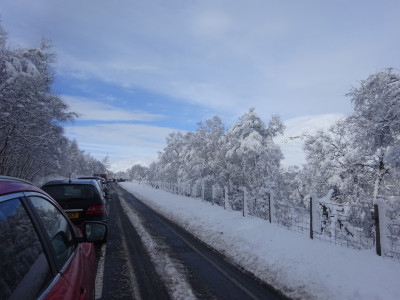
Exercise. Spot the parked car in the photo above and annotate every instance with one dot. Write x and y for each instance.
(43, 254)
(82, 200)
(101, 181)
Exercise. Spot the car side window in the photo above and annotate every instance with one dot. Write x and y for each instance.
(24, 269)
(57, 228)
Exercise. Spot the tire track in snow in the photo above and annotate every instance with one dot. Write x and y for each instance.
(133, 280)
(167, 268)
(100, 274)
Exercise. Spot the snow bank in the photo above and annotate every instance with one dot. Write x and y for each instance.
(299, 267)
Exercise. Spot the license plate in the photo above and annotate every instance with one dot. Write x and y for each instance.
(73, 215)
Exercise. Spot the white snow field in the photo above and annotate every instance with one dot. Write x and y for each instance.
(291, 262)
(296, 131)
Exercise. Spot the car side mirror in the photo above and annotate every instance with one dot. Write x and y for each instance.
(94, 232)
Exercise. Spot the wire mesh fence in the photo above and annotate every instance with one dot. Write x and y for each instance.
(291, 217)
(393, 246)
(333, 223)
(340, 228)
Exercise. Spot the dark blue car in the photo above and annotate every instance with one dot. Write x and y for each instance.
(82, 200)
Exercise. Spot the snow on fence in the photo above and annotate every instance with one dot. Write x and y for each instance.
(319, 218)
(339, 227)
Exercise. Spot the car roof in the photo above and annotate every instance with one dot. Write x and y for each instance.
(9, 185)
(64, 182)
(90, 182)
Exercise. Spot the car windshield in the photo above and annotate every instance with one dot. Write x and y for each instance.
(70, 191)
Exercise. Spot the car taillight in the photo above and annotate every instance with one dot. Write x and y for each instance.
(95, 209)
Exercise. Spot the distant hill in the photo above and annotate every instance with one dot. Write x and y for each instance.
(297, 129)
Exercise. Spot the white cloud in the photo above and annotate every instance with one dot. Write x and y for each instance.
(120, 141)
(225, 55)
(211, 24)
(95, 110)
(291, 59)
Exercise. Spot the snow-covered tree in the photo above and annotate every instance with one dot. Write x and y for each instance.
(170, 159)
(29, 113)
(137, 172)
(32, 143)
(106, 161)
(190, 157)
(356, 161)
(356, 155)
(375, 123)
(152, 173)
(205, 147)
(331, 163)
(252, 158)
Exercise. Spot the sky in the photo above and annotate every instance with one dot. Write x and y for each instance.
(136, 71)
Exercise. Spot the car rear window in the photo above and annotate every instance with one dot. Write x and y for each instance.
(70, 191)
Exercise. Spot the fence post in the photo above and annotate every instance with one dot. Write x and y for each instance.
(202, 191)
(245, 208)
(311, 220)
(269, 208)
(377, 230)
(244, 202)
(225, 196)
(212, 194)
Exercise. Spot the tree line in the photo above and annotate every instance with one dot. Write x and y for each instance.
(32, 141)
(353, 163)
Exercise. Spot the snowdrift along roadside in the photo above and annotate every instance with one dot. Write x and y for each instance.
(299, 267)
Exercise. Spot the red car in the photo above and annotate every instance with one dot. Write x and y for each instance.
(42, 254)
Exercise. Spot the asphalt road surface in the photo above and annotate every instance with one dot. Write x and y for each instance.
(149, 257)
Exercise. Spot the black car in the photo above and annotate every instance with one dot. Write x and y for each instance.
(82, 200)
(101, 181)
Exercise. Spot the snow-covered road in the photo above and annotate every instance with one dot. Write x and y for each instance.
(187, 268)
(299, 267)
